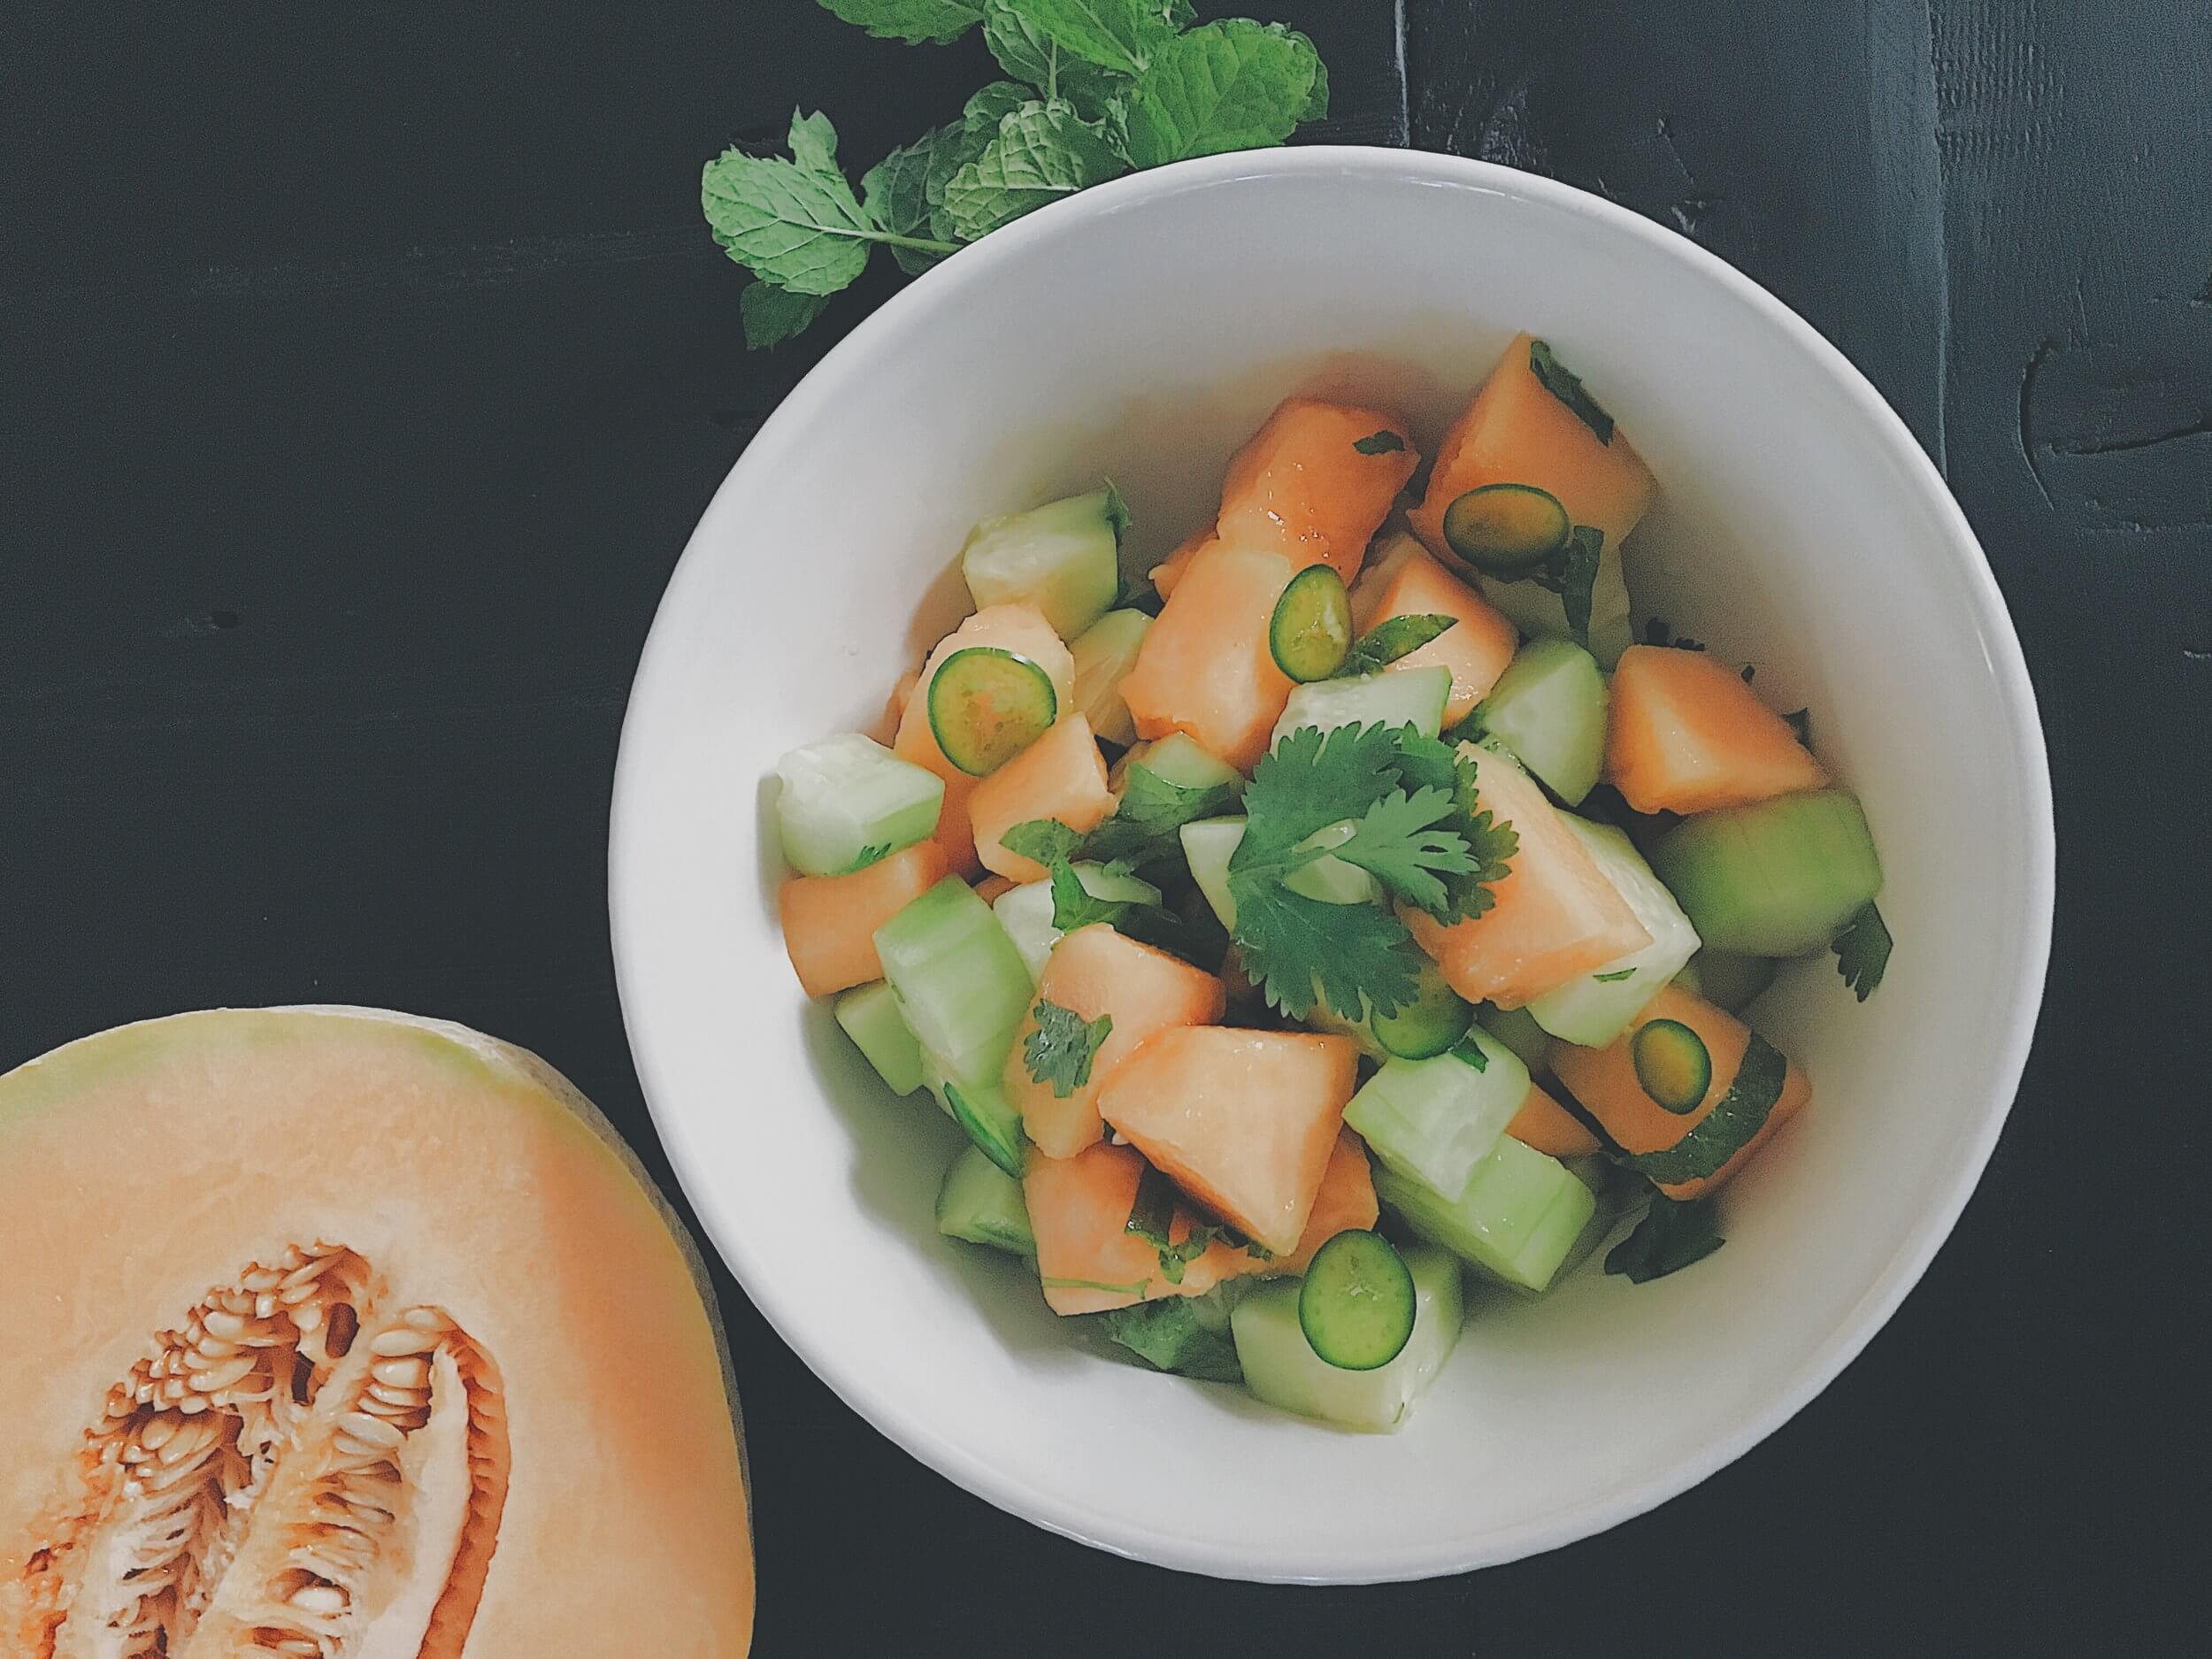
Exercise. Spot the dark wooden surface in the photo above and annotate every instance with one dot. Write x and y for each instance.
(362, 370)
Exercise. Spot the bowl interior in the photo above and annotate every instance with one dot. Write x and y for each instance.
(1142, 332)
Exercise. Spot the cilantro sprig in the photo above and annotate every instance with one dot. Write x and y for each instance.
(1410, 801)
(1862, 951)
(1060, 1051)
(1673, 1233)
(1093, 89)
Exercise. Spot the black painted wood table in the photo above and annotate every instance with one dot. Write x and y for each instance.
(362, 370)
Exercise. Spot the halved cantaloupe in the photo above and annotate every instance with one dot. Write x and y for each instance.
(1095, 973)
(1304, 488)
(1170, 570)
(1087, 1260)
(1021, 629)
(1402, 580)
(334, 1332)
(1554, 916)
(1061, 775)
(1544, 1125)
(1605, 1081)
(1204, 668)
(1686, 734)
(1243, 1121)
(830, 922)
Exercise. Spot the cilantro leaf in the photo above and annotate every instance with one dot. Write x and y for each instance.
(1152, 1219)
(1568, 389)
(1671, 1235)
(1428, 762)
(1572, 573)
(1121, 35)
(1061, 1049)
(874, 853)
(772, 315)
(897, 192)
(1231, 85)
(1392, 638)
(1383, 442)
(1042, 153)
(1397, 841)
(914, 21)
(1311, 780)
(1145, 826)
(1862, 951)
(1170, 1336)
(1075, 905)
(1046, 840)
(1302, 950)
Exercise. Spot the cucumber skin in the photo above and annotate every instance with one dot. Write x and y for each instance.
(1074, 585)
(1281, 1369)
(1515, 1220)
(1436, 1121)
(1183, 761)
(980, 1203)
(961, 983)
(1549, 707)
(820, 783)
(1777, 878)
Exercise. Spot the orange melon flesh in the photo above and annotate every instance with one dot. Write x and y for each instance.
(1243, 1121)
(1021, 629)
(1554, 916)
(1301, 487)
(1061, 775)
(1170, 571)
(1516, 433)
(989, 888)
(1543, 1124)
(579, 1470)
(1605, 1081)
(1095, 973)
(1087, 1260)
(1685, 734)
(830, 922)
(1204, 667)
(1346, 1203)
(1405, 581)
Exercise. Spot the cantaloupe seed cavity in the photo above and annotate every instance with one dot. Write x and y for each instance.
(294, 1472)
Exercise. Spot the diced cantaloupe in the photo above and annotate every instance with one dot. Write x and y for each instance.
(1402, 580)
(1021, 629)
(1554, 916)
(1688, 734)
(989, 888)
(1170, 570)
(886, 729)
(1243, 1121)
(1095, 973)
(1204, 668)
(1516, 432)
(1304, 486)
(1088, 1259)
(1605, 1081)
(1061, 775)
(1544, 1125)
(829, 922)
(1345, 1203)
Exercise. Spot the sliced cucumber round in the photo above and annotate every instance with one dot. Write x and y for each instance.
(1672, 1064)
(1507, 530)
(986, 706)
(1311, 633)
(1437, 1017)
(1356, 1302)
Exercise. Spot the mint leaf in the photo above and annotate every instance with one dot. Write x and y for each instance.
(1146, 826)
(1572, 573)
(1061, 1049)
(1316, 101)
(1234, 85)
(1027, 51)
(1671, 1235)
(1862, 951)
(798, 227)
(1042, 153)
(1123, 36)
(1383, 442)
(1389, 640)
(914, 21)
(897, 192)
(1047, 841)
(772, 315)
(813, 142)
(1171, 1335)
(978, 125)
(1568, 389)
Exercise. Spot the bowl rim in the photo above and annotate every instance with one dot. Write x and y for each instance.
(880, 1406)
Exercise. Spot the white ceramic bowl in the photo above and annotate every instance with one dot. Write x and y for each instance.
(1142, 330)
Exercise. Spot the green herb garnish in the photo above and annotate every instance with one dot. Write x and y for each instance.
(1801, 721)
(1152, 1219)
(1672, 1234)
(1862, 951)
(1383, 442)
(1392, 638)
(1572, 573)
(1615, 977)
(1061, 1049)
(1655, 633)
(1568, 389)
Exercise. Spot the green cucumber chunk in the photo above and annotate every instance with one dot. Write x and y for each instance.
(1516, 1219)
(1436, 1120)
(1025, 912)
(1310, 634)
(983, 1204)
(870, 1015)
(1776, 878)
(991, 1122)
(1436, 1018)
(1549, 709)
(1356, 1303)
(1104, 653)
(1392, 696)
(847, 801)
(1064, 557)
(1540, 613)
(1507, 530)
(1728, 980)
(1329, 880)
(1595, 1008)
(1281, 1368)
(1518, 1030)
(1187, 1335)
(1185, 763)
(962, 985)
(987, 704)
(1672, 1063)
(1208, 845)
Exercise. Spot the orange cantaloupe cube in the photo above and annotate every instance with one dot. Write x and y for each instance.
(1170, 570)
(1204, 667)
(1243, 1121)
(1095, 973)
(1402, 580)
(830, 922)
(1302, 487)
(1087, 1260)
(1543, 1124)
(1062, 775)
(1685, 734)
